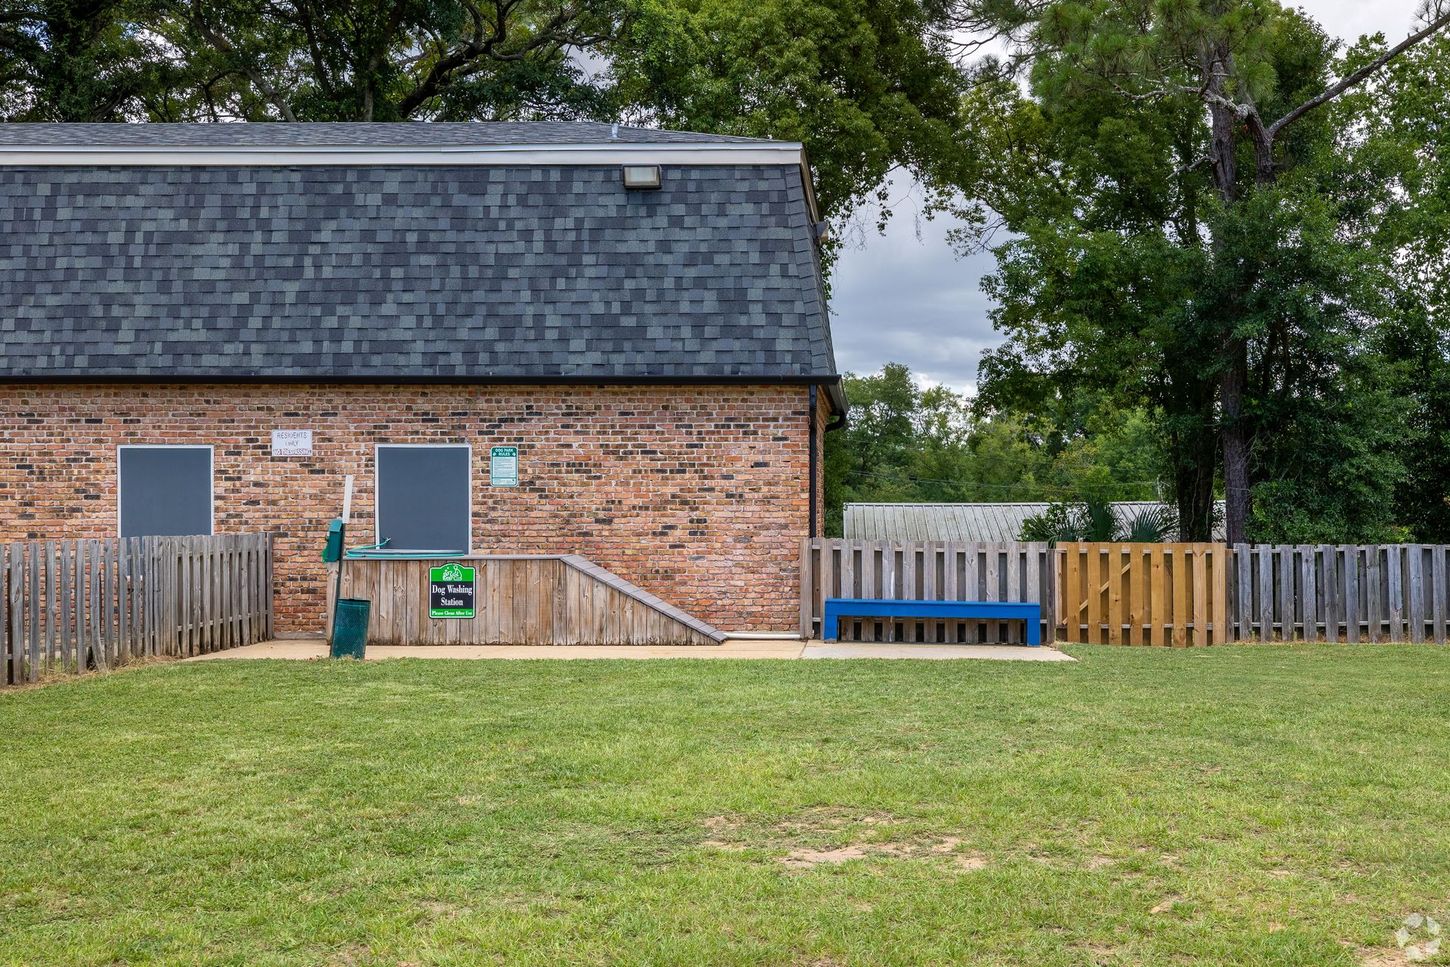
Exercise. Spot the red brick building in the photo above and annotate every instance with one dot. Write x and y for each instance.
(553, 338)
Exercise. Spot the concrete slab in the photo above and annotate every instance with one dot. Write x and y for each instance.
(853, 649)
(302, 649)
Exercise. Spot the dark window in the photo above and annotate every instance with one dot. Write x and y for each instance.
(165, 490)
(423, 498)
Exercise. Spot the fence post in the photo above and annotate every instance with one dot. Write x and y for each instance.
(5, 639)
(807, 629)
(270, 586)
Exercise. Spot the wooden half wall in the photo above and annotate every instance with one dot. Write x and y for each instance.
(520, 600)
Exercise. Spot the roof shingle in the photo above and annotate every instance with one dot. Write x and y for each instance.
(468, 272)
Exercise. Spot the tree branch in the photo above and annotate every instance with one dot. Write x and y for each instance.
(198, 19)
(1355, 78)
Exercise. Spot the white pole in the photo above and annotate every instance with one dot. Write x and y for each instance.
(347, 500)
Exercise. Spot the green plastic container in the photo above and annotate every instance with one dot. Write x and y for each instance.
(350, 628)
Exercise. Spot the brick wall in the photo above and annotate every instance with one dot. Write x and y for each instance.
(698, 494)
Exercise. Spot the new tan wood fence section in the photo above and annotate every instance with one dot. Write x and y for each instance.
(66, 606)
(927, 571)
(1144, 594)
(1344, 592)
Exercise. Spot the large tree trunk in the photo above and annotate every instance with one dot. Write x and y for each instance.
(1234, 383)
(1234, 428)
(1233, 379)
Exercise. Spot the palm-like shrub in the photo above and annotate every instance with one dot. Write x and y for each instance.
(1094, 520)
(1151, 525)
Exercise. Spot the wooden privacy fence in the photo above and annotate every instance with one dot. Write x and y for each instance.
(1144, 594)
(925, 570)
(1340, 592)
(66, 606)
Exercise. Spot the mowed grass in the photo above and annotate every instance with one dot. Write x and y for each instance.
(1246, 805)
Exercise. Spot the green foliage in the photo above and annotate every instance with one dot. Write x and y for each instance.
(907, 443)
(1406, 146)
(80, 60)
(1058, 523)
(1090, 520)
(1134, 270)
(866, 85)
(1151, 525)
(1094, 520)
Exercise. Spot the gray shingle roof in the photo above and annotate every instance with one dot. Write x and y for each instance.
(992, 523)
(400, 272)
(346, 134)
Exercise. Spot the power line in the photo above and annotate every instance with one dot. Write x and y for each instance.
(1059, 490)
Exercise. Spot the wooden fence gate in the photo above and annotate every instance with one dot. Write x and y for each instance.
(66, 606)
(925, 571)
(1144, 594)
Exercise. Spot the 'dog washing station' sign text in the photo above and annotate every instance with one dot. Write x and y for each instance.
(451, 591)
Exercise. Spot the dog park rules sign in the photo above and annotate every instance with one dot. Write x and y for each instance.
(450, 591)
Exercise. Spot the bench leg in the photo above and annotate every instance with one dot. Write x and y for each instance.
(1034, 631)
(830, 624)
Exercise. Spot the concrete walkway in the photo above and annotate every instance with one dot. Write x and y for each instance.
(308, 648)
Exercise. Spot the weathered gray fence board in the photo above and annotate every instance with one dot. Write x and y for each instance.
(1332, 606)
(1437, 587)
(6, 659)
(66, 606)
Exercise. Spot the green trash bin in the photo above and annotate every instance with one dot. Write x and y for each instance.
(350, 628)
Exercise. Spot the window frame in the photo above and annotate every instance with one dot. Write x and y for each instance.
(378, 482)
(210, 479)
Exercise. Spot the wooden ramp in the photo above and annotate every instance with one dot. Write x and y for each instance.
(522, 599)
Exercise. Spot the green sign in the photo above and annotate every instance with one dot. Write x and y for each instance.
(503, 466)
(451, 591)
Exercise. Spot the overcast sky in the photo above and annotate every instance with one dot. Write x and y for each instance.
(905, 297)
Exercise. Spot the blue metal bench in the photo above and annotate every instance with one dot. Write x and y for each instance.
(838, 608)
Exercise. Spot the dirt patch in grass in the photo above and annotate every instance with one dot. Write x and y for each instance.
(807, 858)
(946, 848)
(1384, 958)
(800, 837)
(1096, 953)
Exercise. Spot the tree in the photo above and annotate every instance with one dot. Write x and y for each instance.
(908, 443)
(1408, 146)
(869, 86)
(1182, 236)
(78, 60)
(388, 60)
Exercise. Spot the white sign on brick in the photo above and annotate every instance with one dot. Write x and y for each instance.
(291, 443)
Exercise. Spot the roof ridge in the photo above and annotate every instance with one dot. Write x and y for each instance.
(354, 134)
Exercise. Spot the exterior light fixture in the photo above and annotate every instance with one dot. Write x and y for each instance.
(642, 177)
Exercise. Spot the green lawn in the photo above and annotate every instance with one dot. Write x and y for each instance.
(1256, 805)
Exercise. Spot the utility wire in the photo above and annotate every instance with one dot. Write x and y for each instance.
(1012, 488)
